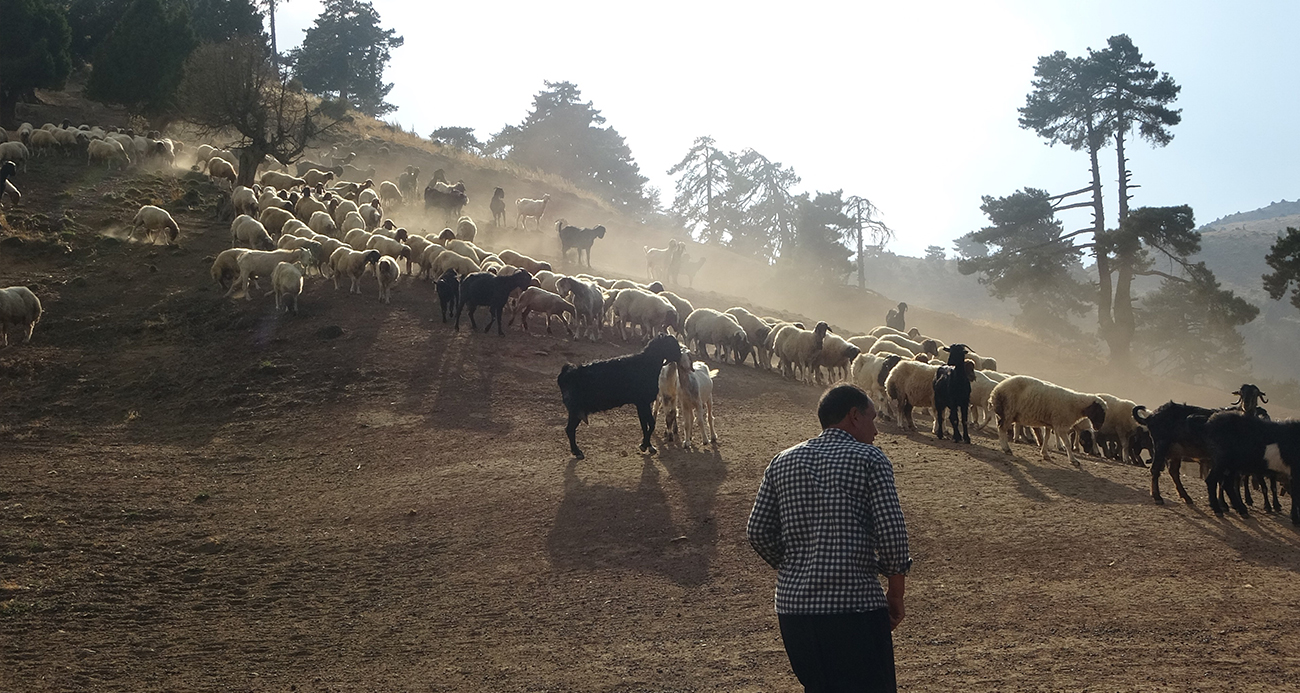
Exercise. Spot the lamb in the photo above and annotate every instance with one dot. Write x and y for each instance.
(483, 288)
(655, 315)
(910, 384)
(390, 194)
(20, 307)
(511, 257)
(588, 304)
(666, 401)
(695, 396)
(498, 207)
(756, 331)
(247, 231)
(531, 209)
(1245, 445)
(604, 385)
(897, 317)
(660, 258)
(110, 151)
(154, 220)
(220, 169)
(796, 348)
(466, 230)
(260, 263)
(387, 272)
(952, 392)
(286, 283)
(1028, 401)
(352, 264)
(836, 356)
(537, 299)
(576, 238)
(705, 326)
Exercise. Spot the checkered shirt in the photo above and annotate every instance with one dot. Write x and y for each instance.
(827, 517)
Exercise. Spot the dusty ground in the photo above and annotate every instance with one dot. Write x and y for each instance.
(196, 494)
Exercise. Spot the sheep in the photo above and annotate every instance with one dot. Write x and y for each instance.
(588, 304)
(537, 299)
(897, 317)
(756, 330)
(683, 307)
(358, 239)
(660, 258)
(928, 346)
(869, 372)
(352, 222)
(260, 263)
(274, 219)
(7, 171)
(390, 247)
(367, 196)
(1029, 401)
(836, 356)
(356, 175)
(389, 193)
(319, 251)
(409, 181)
(315, 177)
(308, 205)
(483, 288)
(882, 346)
(1119, 424)
(695, 396)
(1244, 444)
(225, 268)
(498, 207)
(342, 209)
(705, 326)
(283, 181)
(604, 385)
(20, 307)
(453, 261)
(548, 280)
(322, 223)
(387, 272)
(42, 142)
(466, 229)
(109, 151)
(305, 165)
(16, 152)
(511, 257)
(465, 248)
(153, 220)
(796, 348)
(351, 190)
(653, 314)
(244, 200)
(980, 389)
(351, 264)
(220, 169)
(882, 330)
(247, 231)
(531, 209)
(952, 392)
(427, 258)
(286, 283)
(579, 239)
(910, 385)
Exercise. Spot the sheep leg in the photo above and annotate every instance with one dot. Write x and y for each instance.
(647, 426)
(571, 430)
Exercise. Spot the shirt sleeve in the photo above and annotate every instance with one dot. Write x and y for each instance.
(889, 527)
(764, 528)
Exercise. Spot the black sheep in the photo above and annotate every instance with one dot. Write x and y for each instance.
(487, 289)
(1245, 445)
(449, 293)
(952, 392)
(580, 239)
(604, 385)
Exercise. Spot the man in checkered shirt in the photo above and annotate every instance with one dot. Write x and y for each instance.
(827, 517)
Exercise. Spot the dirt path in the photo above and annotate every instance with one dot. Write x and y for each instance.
(196, 494)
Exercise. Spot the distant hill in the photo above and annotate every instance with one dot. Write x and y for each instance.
(1281, 208)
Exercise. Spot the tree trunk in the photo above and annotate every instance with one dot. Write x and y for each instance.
(275, 55)
(1125, 324)
(1101, 249)
(249, 159)
(1123, 174)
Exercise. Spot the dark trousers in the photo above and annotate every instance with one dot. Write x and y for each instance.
(841, 652)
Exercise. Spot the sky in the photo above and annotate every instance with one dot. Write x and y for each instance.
(910, 105)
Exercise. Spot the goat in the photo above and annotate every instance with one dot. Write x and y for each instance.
(579, 239)
(605, 385)
(485, 288)
(498, 207)
(1243, 444)
(531, 209)
(952, 387)
(1177, 434)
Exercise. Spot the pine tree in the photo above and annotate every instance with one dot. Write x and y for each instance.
(34, 52)
(142, 60)
(344, 55)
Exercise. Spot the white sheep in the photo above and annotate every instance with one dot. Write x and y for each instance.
(372, 214)
(365, 197)
(220, 169)
(547, 280)
(462, 265)
(757, 331)
(283, 181)
(244, 200)
(308, 205)
(18, 306)
(323, 223)
(1119, 422)
(796, 348)
(286, 283)
(352, 264)
(910, 385)
(517, 259)
(866, 374)
(387, 272)
(928, 346)
(884, 346)
(315, 177)
(274, 219)
(683, 307)
(1025, 401)
(107, 151)
(352, 222)
(655, 315)
(531, 209)
(428, 257)
(466, 229)
(342, 209)
(260, 263)
(389, 193)
(467, 249)
(249, 232)
(225, 268)
(538, 300)
(389, 247)
(43, 142)
(17, 153)
(705, 326)
(359, 239)
(836, 356)
(666, 401)
(153, 220)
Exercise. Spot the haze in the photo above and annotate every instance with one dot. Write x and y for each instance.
(912, 105)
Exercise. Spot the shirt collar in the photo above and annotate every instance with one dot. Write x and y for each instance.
(837, 434)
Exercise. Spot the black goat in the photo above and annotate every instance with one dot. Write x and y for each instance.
(498, 207)
(604, 385)
(449, 293)
(450, 202)
(1177, 434)
(952, 392)
(897, 318)
(579, 239)
(1248, 399)
(487, 289)
(1245, 445)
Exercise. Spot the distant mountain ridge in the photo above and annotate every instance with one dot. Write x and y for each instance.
(1281, 208)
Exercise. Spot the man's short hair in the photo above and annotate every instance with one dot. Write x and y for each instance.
(837, 402)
